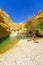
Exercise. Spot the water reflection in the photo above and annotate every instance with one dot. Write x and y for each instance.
(3, 39)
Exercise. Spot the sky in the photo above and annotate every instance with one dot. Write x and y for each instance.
(20, 10)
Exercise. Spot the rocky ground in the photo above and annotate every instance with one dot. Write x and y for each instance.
(25, 53)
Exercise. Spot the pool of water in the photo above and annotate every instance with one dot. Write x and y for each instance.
(7, 43)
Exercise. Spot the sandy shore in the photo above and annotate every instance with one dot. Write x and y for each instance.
(25, 53)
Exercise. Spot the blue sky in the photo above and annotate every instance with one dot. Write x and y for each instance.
(19, 10)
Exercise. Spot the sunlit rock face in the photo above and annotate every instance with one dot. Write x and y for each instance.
(34, 24)
(6, 24)
(39, 14)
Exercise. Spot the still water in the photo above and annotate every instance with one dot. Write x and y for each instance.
(7, 44)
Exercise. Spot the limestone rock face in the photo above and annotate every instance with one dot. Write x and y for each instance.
(39, 14)
(20, 26)
(35, 23)
(6, 24)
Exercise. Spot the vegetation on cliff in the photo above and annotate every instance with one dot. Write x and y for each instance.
(35, 24)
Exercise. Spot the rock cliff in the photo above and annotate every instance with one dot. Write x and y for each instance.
(6, 24)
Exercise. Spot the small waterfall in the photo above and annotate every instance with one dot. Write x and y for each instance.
(13, 33)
